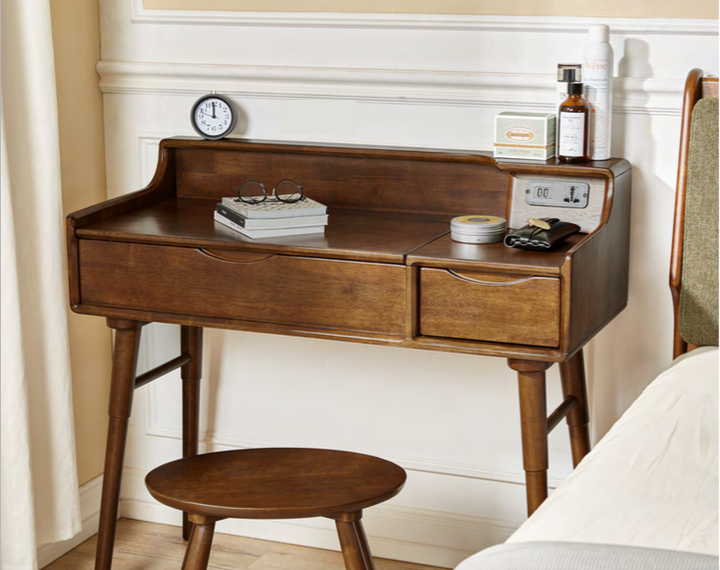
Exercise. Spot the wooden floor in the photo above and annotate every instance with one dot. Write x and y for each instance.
(147, 546)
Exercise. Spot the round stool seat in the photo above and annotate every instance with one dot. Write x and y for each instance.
(275, 483)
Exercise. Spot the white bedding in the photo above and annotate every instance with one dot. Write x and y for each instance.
(653, 479)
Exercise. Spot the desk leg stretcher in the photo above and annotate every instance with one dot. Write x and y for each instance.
(572, 375)
(124, 382)
(536, 426)
(127, 344)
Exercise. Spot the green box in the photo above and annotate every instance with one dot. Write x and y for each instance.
(528, 136)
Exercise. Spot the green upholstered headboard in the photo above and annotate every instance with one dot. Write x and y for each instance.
(698, 312)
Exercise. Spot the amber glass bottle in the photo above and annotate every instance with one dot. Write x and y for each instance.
(574, 133)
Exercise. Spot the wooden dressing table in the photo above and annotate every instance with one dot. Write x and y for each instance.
(384, 272)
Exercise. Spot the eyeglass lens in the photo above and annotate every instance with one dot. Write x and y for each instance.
(288, 191)
(252, 192)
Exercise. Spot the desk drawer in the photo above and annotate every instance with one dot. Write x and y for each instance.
(490, 307)
(247, 286)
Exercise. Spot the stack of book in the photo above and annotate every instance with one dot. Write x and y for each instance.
(272, 218)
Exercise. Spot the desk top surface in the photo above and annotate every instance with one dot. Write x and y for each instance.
(157, 254)
(385, 237)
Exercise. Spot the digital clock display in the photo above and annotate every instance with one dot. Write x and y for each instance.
(558, 193)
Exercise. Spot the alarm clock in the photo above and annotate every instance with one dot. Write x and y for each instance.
(214, 116)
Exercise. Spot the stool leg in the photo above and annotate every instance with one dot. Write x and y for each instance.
(191, 340)
(364, 546)
(355, 548)
(197, 554)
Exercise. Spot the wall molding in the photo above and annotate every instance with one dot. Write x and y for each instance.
(431, 22)
(448, 537)
(219, 440)
(656, 96)
(90, 494)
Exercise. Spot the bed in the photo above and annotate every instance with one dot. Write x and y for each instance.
(646, 497)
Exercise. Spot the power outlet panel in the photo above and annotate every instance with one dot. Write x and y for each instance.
(533, 196)
(557, 193)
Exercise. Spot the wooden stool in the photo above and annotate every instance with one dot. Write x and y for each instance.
(276, 484)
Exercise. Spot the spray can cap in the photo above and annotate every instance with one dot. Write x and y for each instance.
(599, 33)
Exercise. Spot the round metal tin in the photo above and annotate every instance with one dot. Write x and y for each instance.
(478, 229)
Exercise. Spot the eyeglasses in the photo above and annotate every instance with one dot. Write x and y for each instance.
(254, 192)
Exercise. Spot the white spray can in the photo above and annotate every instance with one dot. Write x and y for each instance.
(598, 77)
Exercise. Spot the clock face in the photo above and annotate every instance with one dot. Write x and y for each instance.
(213, 116)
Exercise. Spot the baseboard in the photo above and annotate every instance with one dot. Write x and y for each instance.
(90, 495)
(409, 534)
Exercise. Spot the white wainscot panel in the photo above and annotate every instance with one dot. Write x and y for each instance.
(433, 412)
(451, 420)
(416, 534)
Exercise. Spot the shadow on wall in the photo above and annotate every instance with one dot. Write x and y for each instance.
(243, 123)
(649, 267)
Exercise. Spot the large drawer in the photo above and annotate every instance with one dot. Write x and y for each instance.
(258, 287)
(490, 307)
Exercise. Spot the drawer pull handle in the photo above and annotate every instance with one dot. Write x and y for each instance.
(490, 283)
(237, 257)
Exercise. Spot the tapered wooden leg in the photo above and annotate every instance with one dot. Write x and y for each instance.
(191, 339)
(127, 343)
(572, 374)
(534, 426)
(197, 554)
(353, 542)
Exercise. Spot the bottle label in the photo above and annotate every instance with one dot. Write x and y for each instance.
(572, 134)
(598, 94)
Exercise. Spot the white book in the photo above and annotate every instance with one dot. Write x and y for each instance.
(272, 208)
(269, 232)
(257, 223)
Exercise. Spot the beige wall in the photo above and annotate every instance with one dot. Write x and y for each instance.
(76, 37)
(606, 9)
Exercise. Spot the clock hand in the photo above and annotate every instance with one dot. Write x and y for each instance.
(213, 115)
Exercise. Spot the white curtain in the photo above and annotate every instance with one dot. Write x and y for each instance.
(38, 475)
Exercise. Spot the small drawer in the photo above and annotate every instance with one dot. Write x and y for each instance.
(247, 286)
(490, 307)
